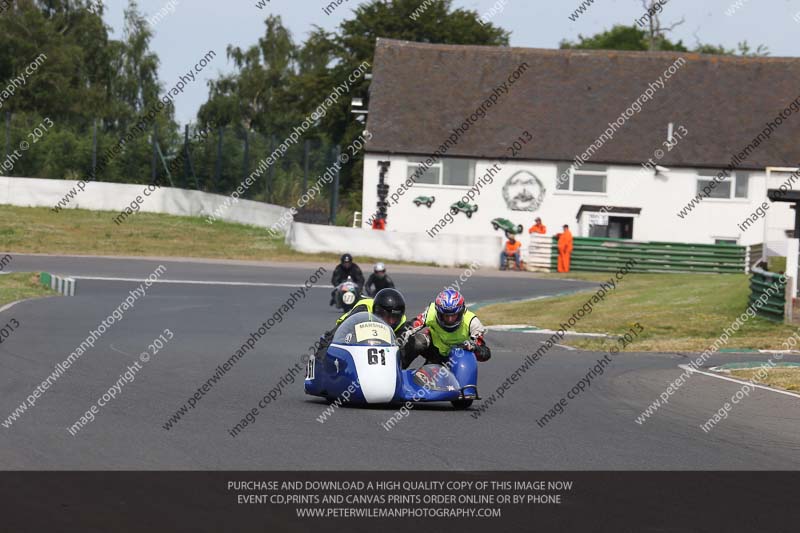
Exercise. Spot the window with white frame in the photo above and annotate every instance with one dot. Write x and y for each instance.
(733, 186)
(587, 178)
(448, 171)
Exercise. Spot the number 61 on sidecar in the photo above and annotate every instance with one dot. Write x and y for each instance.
(361, 366)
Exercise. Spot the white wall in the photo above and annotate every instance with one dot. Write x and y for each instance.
(450, 250)
(100, 196)
(660, 199)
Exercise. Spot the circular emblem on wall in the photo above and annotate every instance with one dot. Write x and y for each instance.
(523, 192)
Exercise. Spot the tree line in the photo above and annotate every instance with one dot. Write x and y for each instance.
(95, 89)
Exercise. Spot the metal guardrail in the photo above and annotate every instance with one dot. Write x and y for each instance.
(763, 283)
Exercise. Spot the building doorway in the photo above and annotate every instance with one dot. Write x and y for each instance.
(607, 222)
(620, 228)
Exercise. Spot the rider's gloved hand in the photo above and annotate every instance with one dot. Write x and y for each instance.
(414, 345)
(482, 353)
(469, 345)
(421, 340)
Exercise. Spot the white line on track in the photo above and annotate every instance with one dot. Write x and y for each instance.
(9, 306)
(202, 282)
(741, 382)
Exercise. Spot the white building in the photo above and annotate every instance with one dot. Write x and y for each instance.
(635, 137)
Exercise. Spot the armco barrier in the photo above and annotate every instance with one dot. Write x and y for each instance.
(598, 254)
(115, 197)
(768, 284)
(444, 250)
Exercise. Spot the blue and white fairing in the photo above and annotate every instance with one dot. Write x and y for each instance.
(361, 364)
(456, 380)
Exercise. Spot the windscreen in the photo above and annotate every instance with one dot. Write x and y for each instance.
(436, 378)
(364, 329)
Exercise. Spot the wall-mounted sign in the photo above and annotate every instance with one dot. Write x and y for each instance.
(598, 219)
(523, 192)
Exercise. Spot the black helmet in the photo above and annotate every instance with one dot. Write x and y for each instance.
(390, 306)
(346, 258)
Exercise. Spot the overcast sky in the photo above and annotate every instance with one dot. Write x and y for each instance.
(196, 26)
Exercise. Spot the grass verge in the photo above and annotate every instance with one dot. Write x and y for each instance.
(21, 285)
(782, 378)
(679, 312)
(82, 232)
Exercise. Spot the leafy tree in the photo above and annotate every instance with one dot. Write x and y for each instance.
(277, 83)
(621, 37)
(743, 49)
(85, 78)
(136, 81)
(255, 96)
(354, 42)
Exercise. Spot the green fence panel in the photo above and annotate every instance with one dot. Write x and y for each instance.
(602, 255)
(767, 284)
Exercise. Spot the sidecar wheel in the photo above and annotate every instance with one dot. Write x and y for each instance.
(461, 404)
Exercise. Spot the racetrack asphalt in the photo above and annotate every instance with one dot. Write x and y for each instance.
(597, 430)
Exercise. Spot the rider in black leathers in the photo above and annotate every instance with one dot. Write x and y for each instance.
(346, 268)
(378, 280)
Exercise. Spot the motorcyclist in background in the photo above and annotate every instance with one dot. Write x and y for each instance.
(444, 324)
(378, 280)
(388, 305)
(346, 268)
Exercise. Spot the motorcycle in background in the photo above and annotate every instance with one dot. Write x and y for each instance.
(347, 294)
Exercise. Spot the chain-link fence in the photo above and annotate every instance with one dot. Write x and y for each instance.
(214, 159)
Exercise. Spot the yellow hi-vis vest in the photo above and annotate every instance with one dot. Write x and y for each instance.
(368, 302)
(444, 340)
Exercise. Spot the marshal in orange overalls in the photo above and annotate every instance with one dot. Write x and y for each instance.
(538, 227)
(564, 249)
